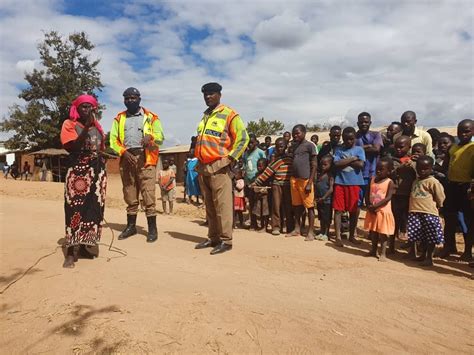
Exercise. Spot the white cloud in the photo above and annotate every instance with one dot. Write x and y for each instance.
(25, 66)
(298, 62)
(282, 31)
(218, 49)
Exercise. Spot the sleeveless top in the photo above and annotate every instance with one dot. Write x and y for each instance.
(378, 191)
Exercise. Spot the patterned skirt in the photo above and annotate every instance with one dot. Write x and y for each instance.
(84, 199)
(424, 227)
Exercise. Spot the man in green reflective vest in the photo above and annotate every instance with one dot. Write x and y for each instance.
(136, 135)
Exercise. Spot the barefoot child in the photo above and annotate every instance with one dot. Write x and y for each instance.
(191, 180)
(239, 198)
(302, 181)
(349, 163)
(324, 188)
(445, 141)
(379, 219)
(403, 176)
(166, 180)
(424, 224)
(459, 166)
(279, 171)
(260, 209)
(251, 157)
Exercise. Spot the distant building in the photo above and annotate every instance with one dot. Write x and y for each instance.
(6, 155)
(180, 154)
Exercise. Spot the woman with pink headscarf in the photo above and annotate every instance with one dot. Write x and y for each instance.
(86, 179)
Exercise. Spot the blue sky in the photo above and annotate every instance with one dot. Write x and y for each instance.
(298, 62)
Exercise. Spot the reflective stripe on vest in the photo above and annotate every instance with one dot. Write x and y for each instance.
(221, 115)
(213, 140)
(151, 155)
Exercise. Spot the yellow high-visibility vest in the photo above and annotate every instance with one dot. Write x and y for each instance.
(220, 134)
(151, 126)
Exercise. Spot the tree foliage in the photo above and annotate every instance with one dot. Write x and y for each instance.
(265, 128)
(66, 73)
(326, 126)
(318, 127)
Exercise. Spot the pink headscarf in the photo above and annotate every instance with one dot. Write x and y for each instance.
(74, 115)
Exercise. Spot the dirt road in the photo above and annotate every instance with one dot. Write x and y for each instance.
(268, 295)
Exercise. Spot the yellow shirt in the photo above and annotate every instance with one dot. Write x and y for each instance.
(461, 163)
(419, 136)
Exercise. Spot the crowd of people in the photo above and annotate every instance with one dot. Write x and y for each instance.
(14, 171)
(25, 172)
(407, 180)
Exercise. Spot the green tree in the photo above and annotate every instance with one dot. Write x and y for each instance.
(320, 126)
(314, 127)
(265, 128)
(326, 126)
(66, 73)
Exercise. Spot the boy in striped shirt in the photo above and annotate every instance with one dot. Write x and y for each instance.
(280, 170)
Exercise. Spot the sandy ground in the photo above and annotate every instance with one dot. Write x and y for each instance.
(268, 295)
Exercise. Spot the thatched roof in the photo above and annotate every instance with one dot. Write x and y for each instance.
(6, 152)
(53, 152)
(50, 152)
(176, 149)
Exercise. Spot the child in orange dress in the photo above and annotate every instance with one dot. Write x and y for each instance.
(379, 218)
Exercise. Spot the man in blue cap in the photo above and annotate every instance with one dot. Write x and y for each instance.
(136, 135)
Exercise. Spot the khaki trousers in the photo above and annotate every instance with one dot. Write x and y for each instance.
(217, 191)
(282, 203)
(138, 180)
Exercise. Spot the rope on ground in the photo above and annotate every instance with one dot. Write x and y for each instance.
(113, 249)
(28, 270)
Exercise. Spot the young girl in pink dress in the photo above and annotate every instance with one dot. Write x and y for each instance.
(379, 219)
(239, 198)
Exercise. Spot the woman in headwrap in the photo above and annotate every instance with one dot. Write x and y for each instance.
(86, 179)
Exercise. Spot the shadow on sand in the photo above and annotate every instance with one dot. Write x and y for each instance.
(76, 326)
(441, 266)
(187, 237)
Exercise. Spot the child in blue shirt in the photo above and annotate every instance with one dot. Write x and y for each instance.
(324, 188)
(349, 162)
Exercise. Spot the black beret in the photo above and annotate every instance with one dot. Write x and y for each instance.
(131, 92)
(211, 87)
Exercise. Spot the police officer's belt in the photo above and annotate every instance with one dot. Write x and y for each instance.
(136, 151)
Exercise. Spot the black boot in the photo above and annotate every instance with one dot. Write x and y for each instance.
(131, 228)
(152, 230)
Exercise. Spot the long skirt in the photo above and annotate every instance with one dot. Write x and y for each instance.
(84, 199)
(192, 182)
